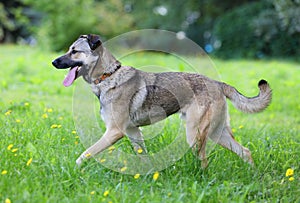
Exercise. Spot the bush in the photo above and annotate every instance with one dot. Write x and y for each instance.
(259, 29)
(236, 33)
(64, 21)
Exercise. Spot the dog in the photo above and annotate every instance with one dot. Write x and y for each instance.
(130, 98)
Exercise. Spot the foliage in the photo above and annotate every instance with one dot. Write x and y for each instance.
(63, 21)
(14, 21)
(36, 118)
(236, 34)
(259, 29)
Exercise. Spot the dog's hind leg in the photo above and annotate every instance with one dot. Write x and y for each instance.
(109, 138)
(137, 140)
(197, 127)
(227, 140)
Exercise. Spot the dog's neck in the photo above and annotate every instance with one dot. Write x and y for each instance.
(106, 75)
(105, 66)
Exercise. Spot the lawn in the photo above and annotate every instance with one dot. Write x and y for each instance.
(40, 142)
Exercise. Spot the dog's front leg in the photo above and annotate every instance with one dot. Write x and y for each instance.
(137, 140)
(109, 138)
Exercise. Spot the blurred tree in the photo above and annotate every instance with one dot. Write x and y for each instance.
(13, 21)
(113, 18)
(63, 21)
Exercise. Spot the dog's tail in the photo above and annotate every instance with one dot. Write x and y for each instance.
(249, 104)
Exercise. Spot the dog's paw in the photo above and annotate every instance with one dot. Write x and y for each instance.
(79, 161)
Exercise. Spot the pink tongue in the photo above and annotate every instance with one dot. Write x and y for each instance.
(70, 77)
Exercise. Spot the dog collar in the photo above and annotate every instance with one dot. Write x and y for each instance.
(105, 75)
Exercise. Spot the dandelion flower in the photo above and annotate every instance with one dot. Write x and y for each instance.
(50, 110)
(123, 169)
(7, 200)
(76, 142)
(289, 172)
(241, 126)
(60, 118)
(59, 126)
(9, 147)
(45, 115)
(88, 155)
(291, 179)
(7, 113)
(93, 192)
(14, 150)
(102, 160)
(18, 120)
(136, 176)
(112, 148)
(4, 172)
(140, 150)
(29, 162)
(74, 132)
(26, 104)
(77, 137)
(106, 193)
(155, 175)
(54, 126)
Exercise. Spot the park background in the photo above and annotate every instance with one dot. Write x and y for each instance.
(247, 41)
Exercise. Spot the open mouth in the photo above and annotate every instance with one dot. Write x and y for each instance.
(71, 76)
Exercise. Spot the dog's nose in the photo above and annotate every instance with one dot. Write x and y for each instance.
(54, 63)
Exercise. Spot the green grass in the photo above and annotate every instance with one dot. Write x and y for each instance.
(30, 86)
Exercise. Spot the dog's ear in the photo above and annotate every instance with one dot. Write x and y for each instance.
(94, 41)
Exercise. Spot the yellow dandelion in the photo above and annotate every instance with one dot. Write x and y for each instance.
(136, 176)
(112, 148)
(60, 118)
(10, 146)
(291, 179)
(63, 139)
(29, 162)
(102, 160)
(45, 115)
(289, 172)
(7, 113)
(76, 143)
(93, 192)
(169, 194)
(140, 150)
(18, 120)
(77, 137)
(26, 104)
(155, 175)
(106, 193)
(74, 132)
(50, 110)
(123, 169)
(14, 150)
(54, 126)
(59, 126)
(7, 200)
(15, 154)
(88, 155)
(4, 172)
(241, 126)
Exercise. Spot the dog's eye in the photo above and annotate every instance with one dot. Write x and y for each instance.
(73, 51)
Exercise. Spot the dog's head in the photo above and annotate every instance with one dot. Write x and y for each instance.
(81, 58)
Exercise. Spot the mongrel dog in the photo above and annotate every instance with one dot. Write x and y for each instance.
(130, 98)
